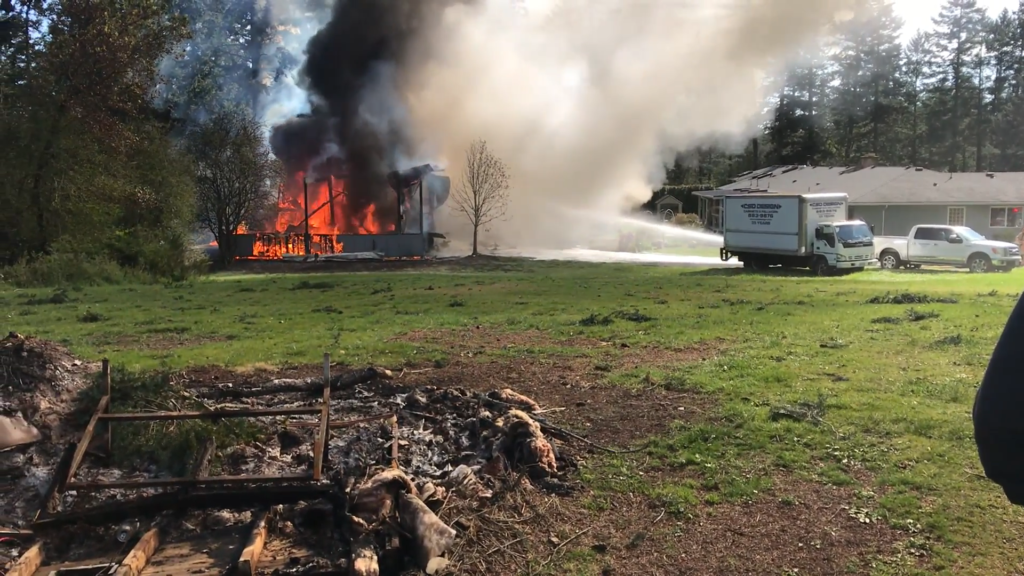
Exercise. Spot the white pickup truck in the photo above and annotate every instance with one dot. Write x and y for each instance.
(956, 246)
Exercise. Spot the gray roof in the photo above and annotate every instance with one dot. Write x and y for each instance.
(885, 184)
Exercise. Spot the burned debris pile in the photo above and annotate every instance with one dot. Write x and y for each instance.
(372, 475)
(39, 381)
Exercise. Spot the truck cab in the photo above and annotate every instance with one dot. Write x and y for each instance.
(844, 246)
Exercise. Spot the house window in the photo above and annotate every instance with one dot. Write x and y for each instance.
(1006, 217)
(956, 216)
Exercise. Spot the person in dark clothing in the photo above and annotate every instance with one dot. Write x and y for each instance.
(999, 411)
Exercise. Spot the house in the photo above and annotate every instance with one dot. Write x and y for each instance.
(893, 199)
(667, 203)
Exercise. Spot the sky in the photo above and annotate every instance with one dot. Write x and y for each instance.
(918, 14)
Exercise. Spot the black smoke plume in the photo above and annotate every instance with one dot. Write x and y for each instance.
(353, 71)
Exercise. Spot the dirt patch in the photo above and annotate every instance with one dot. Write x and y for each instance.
(606, 414)
(804, 528)
(798, 526)
(571, 393)
(604, 355)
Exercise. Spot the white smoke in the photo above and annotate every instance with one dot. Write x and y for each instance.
(583, 99)
(285, 98)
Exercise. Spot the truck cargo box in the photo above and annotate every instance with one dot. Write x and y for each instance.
(779, 223)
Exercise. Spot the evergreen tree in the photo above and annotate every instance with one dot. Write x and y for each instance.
(915, 62)
(958, 40)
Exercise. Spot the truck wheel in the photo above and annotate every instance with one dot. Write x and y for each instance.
(821, 267)
(758, 264)
(889, 260)
(979, 263)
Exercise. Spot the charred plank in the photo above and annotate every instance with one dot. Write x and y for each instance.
(187, 482)
(148, 506)
(51, 499)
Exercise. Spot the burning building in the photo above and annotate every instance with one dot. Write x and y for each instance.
(349, 187)
(323, 210)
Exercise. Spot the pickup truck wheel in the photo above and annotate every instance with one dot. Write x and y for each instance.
(889, 260)
(979, 263)
(821, 267)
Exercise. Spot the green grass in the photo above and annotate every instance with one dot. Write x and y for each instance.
(898, 379)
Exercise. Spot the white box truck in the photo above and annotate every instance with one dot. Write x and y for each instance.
(795, 231)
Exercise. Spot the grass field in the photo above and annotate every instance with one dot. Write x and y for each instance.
(888, 386)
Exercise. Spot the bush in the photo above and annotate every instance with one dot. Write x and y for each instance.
(688, 221)
(68, 270)
(142, 262)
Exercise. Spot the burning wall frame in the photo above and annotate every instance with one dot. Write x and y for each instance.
(403, 242)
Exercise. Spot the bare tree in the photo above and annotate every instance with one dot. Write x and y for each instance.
(236, 175)
(482, 191)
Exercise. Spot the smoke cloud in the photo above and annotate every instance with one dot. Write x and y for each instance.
(353, 73)
(584, 99)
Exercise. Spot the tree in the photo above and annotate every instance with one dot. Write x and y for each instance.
(916, 57)
(236, 174)
(75, 81)
(958, 40)
(482, 191)
(867, 59)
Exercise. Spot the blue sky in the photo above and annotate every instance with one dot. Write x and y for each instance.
(918, 14)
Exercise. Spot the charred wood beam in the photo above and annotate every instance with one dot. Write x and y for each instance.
(16, 534)
(106, 386)
(209, 414)
(335, 424)
(330, 197)
(325, 418)
(394, 442)
(83, 442)
(308, 386)
(138, 558)
(200, 465)
(147, 506)
(250, 556)
(51, 499)
(29, 562)
(189, 482)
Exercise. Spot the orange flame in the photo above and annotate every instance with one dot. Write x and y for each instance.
(329, 216)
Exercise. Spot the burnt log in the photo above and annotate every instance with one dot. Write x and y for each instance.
(245, 498)
(301, 386)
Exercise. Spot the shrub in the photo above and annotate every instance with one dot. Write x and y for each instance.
(687, 220)
(65, 269)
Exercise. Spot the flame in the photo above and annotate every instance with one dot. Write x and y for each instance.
(329, 216)
(329, 212)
